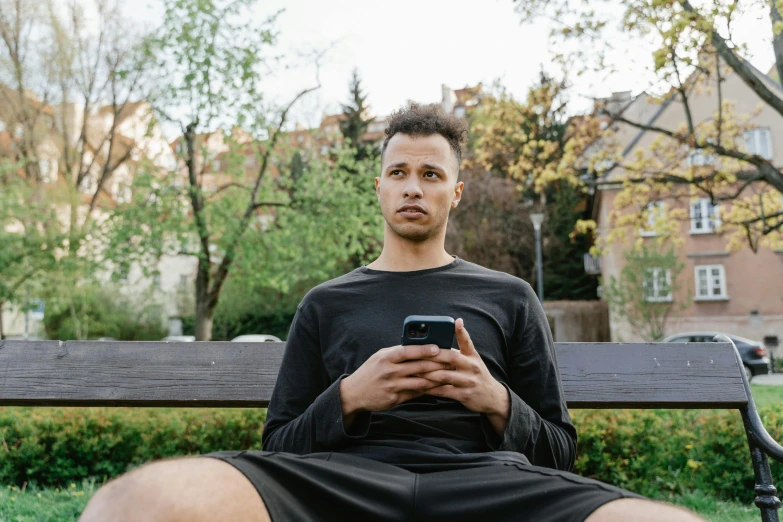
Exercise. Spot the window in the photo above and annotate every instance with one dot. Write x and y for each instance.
(710, 283)
(759, 141)
(705, 217)
(655, 212)
(657, 285)
(324, 150)
(216, 166)
(45, 166)
(2, 126)
(699, 157)
(459, 112)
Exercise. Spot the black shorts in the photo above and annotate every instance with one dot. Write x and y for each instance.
(341, 487)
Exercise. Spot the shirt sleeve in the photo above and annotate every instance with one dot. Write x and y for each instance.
(305, 413)
(539, 425)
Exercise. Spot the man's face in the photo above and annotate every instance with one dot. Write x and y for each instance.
(418, 185)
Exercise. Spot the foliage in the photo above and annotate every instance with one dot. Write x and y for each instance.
(31, 503)
(491, 226)
(648, 290)
(527, 150)
(564, 269)
(92, 311)
(533, 142)
(692, 53)
(355, 120)
(659, 453)
(57, 447)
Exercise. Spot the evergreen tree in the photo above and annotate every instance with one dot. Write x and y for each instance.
(564, 272)
(354, 126)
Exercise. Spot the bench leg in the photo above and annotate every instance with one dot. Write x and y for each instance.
(766, 499)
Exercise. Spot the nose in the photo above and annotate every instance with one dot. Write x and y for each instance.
(412, 189)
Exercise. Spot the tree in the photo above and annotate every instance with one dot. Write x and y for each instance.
(53, 73)
(692, 50)
(648, 290)
(355, 120)
(209, 69)
(535, 146)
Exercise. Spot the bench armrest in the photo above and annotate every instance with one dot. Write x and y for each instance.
(755, 427)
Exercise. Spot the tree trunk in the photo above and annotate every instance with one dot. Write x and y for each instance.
(204, 315)
(2, 332)
(205, 308)
(777, 40)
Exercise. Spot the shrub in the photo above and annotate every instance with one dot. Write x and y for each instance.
(658, 453)
(669, 452)
(53, 447)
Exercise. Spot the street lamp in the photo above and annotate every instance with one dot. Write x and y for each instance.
(538, 218)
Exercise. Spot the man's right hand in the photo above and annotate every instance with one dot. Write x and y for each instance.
(389, 377)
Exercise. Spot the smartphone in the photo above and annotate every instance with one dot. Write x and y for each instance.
(428, 329)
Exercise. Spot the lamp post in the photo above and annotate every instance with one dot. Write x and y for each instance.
(538, 218)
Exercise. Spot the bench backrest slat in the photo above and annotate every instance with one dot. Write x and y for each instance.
(224, 374)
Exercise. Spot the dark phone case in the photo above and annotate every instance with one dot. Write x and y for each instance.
(441, 330)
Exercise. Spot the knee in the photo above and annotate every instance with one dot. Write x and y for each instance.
(137, 495)
(639, 510)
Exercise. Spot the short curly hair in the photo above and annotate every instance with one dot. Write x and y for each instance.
(426, 120)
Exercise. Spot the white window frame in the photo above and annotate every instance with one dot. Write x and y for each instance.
(709, 223)
(654, 296)
(655, 211)
(756, 140)
(711, 295)
(699, 158)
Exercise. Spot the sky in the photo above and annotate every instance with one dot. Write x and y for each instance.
(405, 49)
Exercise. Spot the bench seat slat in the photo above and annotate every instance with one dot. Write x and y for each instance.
(224, 374)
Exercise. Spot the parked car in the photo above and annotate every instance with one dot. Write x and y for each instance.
(754, 356)
(256, 338)
(180, 338)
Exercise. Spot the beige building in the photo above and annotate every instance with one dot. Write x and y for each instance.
(736, 292)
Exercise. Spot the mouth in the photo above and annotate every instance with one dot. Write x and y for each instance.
(411, 211)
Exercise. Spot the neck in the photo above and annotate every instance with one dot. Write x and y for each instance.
(402, 255)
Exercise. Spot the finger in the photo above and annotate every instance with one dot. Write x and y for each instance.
(406, 368)
(453, 358)
(456, 379)
(463, 339)
(410, 352)
(447, 391)
(418, 384)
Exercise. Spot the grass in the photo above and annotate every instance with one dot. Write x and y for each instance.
(766, 395)
(61, 505)
(56, 505)
(44, 504)
(716, 510)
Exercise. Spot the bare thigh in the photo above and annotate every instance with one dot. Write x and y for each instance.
(182, 489)
(636, 510)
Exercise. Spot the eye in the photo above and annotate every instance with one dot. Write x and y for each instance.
(430, 174)
(395, 172)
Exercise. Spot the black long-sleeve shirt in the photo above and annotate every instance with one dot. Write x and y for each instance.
(341, 323)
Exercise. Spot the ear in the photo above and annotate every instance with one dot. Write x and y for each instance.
(458, 187)
(378, 188)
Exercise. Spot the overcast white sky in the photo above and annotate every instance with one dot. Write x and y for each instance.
(405, 49)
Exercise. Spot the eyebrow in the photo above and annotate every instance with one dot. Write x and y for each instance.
(403, 164)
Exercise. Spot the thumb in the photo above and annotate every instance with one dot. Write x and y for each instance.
(463, 338)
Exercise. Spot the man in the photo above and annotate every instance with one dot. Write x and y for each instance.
(360, 428)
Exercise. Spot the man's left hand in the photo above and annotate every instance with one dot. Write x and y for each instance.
(469, 381)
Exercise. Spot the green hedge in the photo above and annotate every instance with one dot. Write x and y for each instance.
(655, 453)
(49, 446)
(663, 452)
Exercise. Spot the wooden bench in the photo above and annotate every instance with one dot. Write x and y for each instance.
(224, 374)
